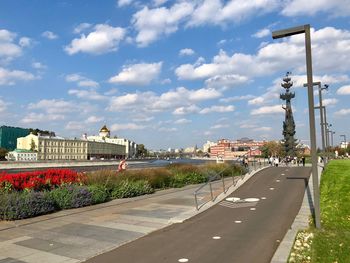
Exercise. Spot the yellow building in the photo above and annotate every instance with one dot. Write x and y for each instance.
(58, 148)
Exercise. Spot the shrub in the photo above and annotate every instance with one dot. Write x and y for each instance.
(108, 179)
(182, 179)
(71, 196)
(158, 178)
(99, 193)
(19, 205)
(129, 188)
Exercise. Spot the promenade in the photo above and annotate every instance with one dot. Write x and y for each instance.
(78, 234)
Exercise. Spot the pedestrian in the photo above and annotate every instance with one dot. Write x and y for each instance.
(271, 160)
(276, 161)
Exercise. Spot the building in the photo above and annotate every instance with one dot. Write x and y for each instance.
(104, 136)
(208, 145)
(22, 155)
(58, 148)
(9, 135)
(227, 149)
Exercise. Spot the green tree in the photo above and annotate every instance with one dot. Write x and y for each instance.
(141, 150)
(32, 145)
(3, 153)
(272, 148)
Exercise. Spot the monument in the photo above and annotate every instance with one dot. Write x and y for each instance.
(288, 124)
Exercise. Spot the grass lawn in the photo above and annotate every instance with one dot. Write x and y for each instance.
(331, 243)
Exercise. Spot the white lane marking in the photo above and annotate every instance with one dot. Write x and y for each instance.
(183, 260)
(253, 208)
(251, 199)
(216, 237)
(233, 199)
(282, 174)
(271, 188)
(263, 198)
(278, 181)
(238, 221)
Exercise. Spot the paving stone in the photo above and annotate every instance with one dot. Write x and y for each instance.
(97, 232)
(11, 260)
(40, 244)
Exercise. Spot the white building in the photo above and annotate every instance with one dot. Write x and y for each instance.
(207, 146)
(58, 148)
(104, 136)
(22, 155)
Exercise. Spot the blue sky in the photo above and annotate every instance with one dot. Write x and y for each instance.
(169, 73)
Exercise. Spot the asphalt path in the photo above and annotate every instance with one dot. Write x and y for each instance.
(244, 232)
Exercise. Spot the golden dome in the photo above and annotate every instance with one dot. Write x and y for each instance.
(104, 129)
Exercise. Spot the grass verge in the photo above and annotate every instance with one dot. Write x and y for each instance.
(331, 243)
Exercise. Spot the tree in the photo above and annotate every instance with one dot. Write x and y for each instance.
(3, 153)
(32, 145)
(141, 150)
(272, 148)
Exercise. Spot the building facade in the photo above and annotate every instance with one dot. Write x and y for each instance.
(58, 148)
(227, 149)
(104, 136)
(22, 156)
(9, 135)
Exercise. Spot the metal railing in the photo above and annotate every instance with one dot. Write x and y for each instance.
(213, 189)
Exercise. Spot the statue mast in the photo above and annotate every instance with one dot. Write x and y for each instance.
(288, 125)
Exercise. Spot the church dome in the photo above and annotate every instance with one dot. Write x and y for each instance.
(104, 129)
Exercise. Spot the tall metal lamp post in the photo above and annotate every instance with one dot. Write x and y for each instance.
(290, 32)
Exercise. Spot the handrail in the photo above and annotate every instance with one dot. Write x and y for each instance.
(212, 178)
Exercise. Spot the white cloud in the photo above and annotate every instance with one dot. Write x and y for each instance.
(247, 126)
(342, 112)
(264, 128)
(180, 99)
(344, 90)
(49, 35)
(237, 98)
(81, 80)
(142, 118)
(217, 13)
(151, 24)
(81, 27)
(328, 102)
(186, 52)
(269, 58)
(8, 77)
(165, 129)
(182, 121)
(226, 81)
(215, 108)
(25, 42)
(94, 119)
(262, 33)
(38, 65)
(41, 118)
(75, 125)
(137, 74)
(54, 106)
(267, 110)
(256, 101)
(8, 49)
(103, 39)
(87, 94)
(219, 126)
(3, 105)
(299, 8)
(127, 126)
(186, 110)
(159, 2)
(122, 3)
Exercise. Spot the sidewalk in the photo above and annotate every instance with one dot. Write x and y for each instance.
(78, 234)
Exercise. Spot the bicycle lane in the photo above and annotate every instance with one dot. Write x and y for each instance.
(229, 231)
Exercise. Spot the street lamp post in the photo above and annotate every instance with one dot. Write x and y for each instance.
(320, 88)
(332, 133)
(294, 31)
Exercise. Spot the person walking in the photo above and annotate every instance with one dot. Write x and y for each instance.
(276, 162)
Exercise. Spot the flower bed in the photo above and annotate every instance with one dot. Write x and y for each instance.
(39, 180)
(30, 194)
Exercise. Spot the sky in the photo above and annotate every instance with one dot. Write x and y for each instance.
(170, 73)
